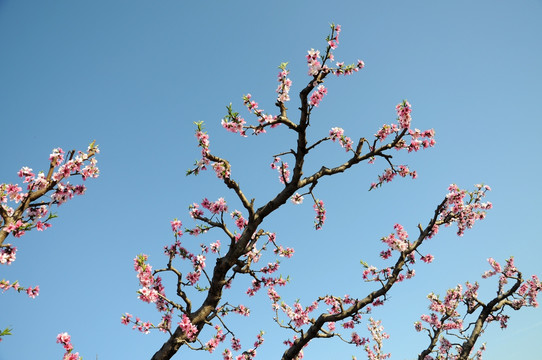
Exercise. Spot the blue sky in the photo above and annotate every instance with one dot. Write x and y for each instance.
(135, 75)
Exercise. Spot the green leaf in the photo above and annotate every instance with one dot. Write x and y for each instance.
(6, 331)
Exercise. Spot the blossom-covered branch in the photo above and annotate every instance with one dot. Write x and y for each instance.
(455, 335)
(213, 266)
(27, 207)
(457, 206)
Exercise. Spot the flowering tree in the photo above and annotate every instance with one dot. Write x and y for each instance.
(246, 242)
(22, 210)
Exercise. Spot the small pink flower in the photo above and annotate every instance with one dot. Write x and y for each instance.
(32, 293)
(318, 95)
(188, 328)
(125, 319)
(297, 199)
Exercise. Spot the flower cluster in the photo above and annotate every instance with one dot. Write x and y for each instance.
(176, 227)
(320, 214)
(357, 340)
(203, 143)
(141, 326)
(188, 328)
(342, 69)
(7, 255)
(333, 41)
(216, 207)
(527, 292)
(465, 207)
(298, 316)
(337, 133)
(269, 282)
(377, 333)
(285, 83)
(263, 119)
(146, 326)
(233, 122)
(287, 253)
(449, 316)
(218, 338)
(297, 199)
(222, 170)
(318, 95)
(313, 62)
(419, 138)
(390, 173)
(399, 242)
(152, 288)
(65, 340)
(240, 221)
(83, 164)
(245, 355)
(32, 292)
(403, 114)
(282, 168)
(314, 57)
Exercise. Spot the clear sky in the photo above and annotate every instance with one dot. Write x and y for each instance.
(135, 75)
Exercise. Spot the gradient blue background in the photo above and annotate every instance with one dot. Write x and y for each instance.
(135, 75)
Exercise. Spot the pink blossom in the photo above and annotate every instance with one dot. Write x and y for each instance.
(348, 324)
(188, 328)
(215, 247)
(320, 214)
(357, 340)
(360, 65)
(57, 156)
(242, 310)
(235, 344)
(297, 199)
(288, 252)
(312, 60)
(71, 356)
(193, 277)
(284, 172)
(234, 124)
(63, 338)
(194, 211)
(7, 255)
(198, 262)
(125, 319)
(298, 315)
(338, 134)
(221, 170)
(148, 295)
(428, 258)
(403, 114)
(216, 207)
(176, 227)
(32, 293)
(318, 95)
(240, 221)
(284, 85)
